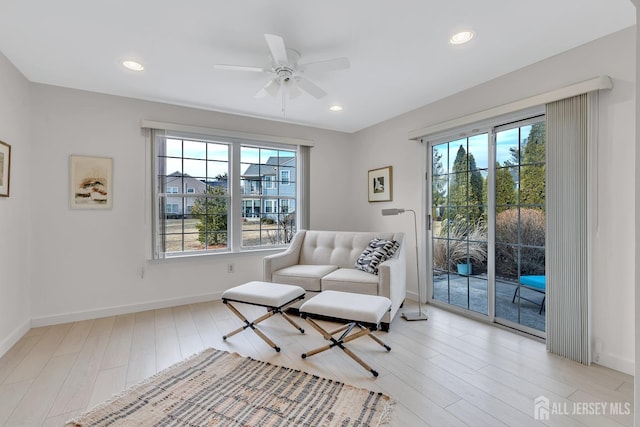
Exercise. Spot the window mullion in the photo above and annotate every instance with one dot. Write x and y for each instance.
(491, 222)
(235, 200)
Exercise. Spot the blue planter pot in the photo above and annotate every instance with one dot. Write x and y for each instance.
(464, 269)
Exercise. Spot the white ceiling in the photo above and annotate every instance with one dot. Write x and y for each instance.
(399, 51)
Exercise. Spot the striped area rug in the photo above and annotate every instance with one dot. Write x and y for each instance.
(217, 388)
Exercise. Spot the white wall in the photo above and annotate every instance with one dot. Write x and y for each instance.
(613, 246)
(90, 263)
(15, 312)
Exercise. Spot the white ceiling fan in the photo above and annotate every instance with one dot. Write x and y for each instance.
(287, 73)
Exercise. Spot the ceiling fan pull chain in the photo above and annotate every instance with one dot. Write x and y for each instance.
(284, 100)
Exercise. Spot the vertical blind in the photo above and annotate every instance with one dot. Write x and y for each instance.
(568, 123)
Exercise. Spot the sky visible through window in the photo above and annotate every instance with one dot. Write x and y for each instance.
(211, 159)
(477, 147)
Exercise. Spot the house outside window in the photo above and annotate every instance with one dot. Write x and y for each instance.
(206, 218)
(268, 165)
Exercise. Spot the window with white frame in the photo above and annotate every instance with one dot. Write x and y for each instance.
(270, 206)
(269, 183)
(284, 176)
(237, 206)
(173, 208)
(261, 163)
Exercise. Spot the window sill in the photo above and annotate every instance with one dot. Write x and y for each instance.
(222, 255)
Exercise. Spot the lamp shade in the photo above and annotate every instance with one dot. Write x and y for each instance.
(394, 211)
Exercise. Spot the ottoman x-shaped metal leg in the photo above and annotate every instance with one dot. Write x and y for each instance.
(343, 339)
(274, 297)
(364, 312)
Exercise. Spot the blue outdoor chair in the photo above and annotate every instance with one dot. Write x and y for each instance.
(535, 283)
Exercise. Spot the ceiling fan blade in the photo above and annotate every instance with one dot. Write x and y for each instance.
(272, 88)
(310, 87)
(240, 68)
(293, 89)
(327, 65)
(277, 48)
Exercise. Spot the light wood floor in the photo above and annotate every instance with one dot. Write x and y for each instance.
(449, 370)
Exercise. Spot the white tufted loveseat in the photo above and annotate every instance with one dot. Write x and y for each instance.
(325, 260)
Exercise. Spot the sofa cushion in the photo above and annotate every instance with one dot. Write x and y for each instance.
(303, 275)
(351, 280)
(376, 252)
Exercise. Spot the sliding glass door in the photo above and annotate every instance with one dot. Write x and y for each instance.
(459, 211)
(487, 225)
(520, 225)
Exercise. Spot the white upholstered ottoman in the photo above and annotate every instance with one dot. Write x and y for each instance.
(360, 312)
(275, 297)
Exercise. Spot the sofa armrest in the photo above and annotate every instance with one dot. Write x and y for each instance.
(289, 257)
(392, 277)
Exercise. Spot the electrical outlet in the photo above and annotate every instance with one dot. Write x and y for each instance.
(230, 268)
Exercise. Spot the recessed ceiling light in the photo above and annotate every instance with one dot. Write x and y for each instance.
(133, 65)
(335, 108)
(461, 37)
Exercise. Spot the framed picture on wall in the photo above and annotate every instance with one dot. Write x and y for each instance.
(5, 168)
(91, 182)
(380, 185)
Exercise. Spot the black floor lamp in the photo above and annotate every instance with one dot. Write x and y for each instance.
(419, 315)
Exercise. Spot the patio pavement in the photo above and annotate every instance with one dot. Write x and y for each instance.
(523, 312)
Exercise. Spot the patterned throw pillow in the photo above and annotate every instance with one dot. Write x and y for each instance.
(376, 252)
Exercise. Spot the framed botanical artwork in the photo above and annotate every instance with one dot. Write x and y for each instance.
(380, 185)
(5, 168)
(91, 182)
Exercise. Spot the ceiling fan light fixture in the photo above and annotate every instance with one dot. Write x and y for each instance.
(461, 37)
(288, 78)
(336, 108)
(132, 65)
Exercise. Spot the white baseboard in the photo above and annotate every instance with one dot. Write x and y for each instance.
(122, 309)
(14, 337)
(413, 296)
(616, 363)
